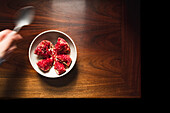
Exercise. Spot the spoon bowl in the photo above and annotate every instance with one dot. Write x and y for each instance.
(24, 17)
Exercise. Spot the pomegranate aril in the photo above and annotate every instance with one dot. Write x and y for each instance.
(62, 46)
(44, 48)
(45, 64)
(65, 59)
(59, 67)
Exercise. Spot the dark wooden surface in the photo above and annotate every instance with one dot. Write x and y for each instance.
(107, 36)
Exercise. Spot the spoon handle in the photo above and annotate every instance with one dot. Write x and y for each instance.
(16, 29)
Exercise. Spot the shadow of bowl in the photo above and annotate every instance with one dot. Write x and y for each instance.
(62, 81)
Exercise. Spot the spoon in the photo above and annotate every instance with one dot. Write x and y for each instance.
(24, 17)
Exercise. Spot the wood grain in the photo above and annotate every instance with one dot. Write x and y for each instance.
(107, 37)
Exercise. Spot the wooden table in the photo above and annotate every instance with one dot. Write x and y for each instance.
(107, 36)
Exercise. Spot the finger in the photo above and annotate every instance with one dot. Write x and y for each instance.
(4, 33)
(7, 41)
(9, 51)
(14, 36)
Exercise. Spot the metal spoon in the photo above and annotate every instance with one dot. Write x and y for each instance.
(24, 17)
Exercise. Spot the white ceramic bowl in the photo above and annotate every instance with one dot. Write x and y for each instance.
(51, 35)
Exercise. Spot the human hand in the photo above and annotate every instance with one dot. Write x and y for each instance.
(7, 37)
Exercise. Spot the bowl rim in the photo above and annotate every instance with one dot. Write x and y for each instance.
(46, 31)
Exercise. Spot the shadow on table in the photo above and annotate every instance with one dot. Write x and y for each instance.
(62, 81)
